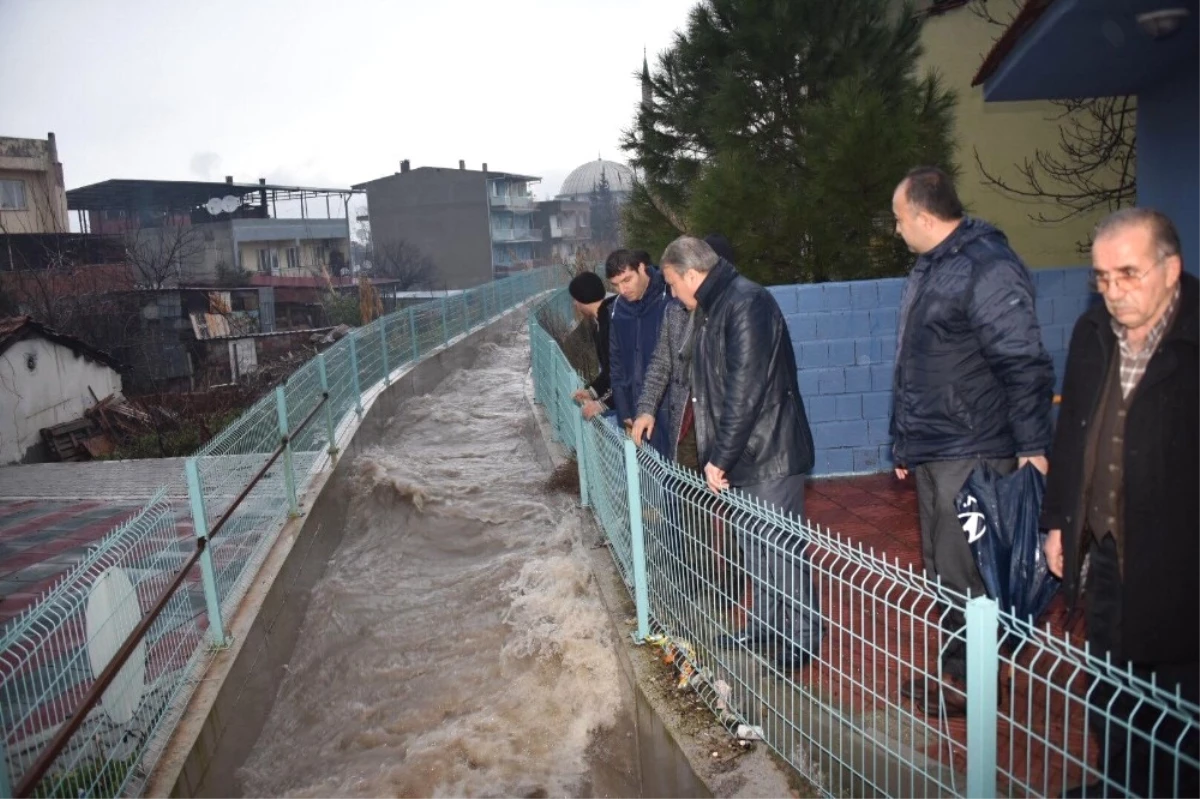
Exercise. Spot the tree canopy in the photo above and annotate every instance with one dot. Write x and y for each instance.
(786, 125)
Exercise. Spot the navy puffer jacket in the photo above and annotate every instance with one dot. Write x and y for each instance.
(972, 376)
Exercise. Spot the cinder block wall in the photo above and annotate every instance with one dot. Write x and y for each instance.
(844, 335)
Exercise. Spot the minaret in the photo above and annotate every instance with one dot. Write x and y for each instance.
(647, 89)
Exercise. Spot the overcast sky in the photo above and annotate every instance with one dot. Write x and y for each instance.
(325, 93)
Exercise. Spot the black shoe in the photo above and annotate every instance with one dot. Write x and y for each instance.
(793, 659)
(931, 698)
(741, 641)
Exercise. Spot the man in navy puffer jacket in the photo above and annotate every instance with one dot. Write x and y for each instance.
(633, 333)
(973, 385)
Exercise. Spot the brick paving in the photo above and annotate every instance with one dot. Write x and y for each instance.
(51, 513)
(873, 646)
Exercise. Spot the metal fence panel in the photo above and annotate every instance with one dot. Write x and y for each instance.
(52, 654)
(1039, 705)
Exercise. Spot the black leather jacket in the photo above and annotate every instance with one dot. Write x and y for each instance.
(750, 419)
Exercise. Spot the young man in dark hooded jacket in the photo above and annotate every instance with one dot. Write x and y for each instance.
(642, 297)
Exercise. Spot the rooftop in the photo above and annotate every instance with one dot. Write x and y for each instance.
(122, 194)
(15, 329)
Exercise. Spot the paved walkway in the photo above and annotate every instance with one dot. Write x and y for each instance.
(50, 513)
(880, 512)
(113, 481)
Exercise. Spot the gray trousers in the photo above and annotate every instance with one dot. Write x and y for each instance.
(944, 546)
(784, 600)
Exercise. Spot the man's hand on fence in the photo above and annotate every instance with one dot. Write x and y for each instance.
(592, 409)
(1054, 553)
(716, 478)
(582, 395)
(643, 428)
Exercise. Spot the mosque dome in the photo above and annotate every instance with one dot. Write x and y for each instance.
(583, 179)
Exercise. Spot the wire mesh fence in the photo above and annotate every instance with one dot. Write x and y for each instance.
(799, 637)
(247, 480)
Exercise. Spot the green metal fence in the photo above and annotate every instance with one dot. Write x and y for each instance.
(841, 721)
(52, 656)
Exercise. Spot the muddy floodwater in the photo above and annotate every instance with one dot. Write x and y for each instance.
(456, 644)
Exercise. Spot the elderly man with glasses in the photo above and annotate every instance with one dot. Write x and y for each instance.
(1122, 494)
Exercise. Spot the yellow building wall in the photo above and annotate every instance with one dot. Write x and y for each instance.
(45, 204)
(1005, 134)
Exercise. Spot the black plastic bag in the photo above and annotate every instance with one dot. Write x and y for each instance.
(999, 516)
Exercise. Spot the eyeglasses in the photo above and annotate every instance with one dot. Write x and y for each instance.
(1126, 278)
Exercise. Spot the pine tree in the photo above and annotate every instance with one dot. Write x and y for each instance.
(786, 126)
(605, 217)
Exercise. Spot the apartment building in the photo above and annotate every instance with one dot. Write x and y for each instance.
(474, 224)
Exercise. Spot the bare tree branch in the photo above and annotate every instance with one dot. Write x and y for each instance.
(1092, 166)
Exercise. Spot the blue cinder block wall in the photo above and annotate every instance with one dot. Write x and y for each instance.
(844, 335)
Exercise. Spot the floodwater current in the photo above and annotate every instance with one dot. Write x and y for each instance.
(456, 644)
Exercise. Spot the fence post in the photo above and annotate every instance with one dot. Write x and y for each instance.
(983, 669)
(354, 374)
(445, 326)
(412, 333)
(6, 786)
(584, 497)
(289, 468)
(641, 593)
(329, 427)
(216, 629)
(383, 348)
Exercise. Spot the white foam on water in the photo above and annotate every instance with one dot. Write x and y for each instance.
(457, 644)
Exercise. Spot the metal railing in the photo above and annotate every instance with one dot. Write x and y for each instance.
(841, 721)
(94, 677)
(516, 201)
(508, 234)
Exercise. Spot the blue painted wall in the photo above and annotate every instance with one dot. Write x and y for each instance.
(844, 335)
(1168, 156)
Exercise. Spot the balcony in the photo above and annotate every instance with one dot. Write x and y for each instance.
(571, 232)
(246, 230)
(513, 202)
(509, 235)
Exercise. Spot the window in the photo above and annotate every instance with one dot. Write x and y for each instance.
(268, 261)
(12, 195)
(293, 257)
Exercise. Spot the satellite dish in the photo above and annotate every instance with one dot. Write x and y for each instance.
(112, 614)
(213, 206)
(229, 203)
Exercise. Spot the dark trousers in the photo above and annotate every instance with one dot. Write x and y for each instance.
(944, 546)
(784, 600)
(1126, 759)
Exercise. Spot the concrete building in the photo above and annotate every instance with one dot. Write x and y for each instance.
(46, 379)
(567, 226)
(475, 225)
(1074, 49)
(198, 232)
(32, 197)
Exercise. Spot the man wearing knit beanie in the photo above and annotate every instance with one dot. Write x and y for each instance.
(587, 290)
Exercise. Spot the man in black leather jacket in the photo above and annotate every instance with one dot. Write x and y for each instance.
(751, 434)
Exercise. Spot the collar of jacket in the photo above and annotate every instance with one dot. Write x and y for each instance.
(656, 290)
(968, 230)
(1187, 320)
(715, 283)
